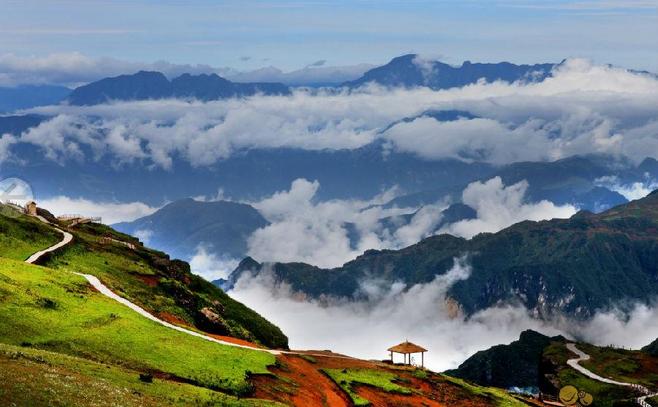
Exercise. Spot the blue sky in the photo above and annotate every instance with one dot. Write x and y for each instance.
(291, 34)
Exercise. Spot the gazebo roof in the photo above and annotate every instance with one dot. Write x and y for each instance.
(407, 347)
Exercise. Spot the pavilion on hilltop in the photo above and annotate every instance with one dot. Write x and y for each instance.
(407, 348)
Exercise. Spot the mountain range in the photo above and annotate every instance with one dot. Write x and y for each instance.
(180, 341)
(146, 85)
(412, 70)
(181, 227)
(576, 267)
(343, 174)
(404, 71)
(536, 364)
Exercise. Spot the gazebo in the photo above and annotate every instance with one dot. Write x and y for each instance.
(407, 348)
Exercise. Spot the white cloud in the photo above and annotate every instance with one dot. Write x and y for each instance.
(302, 230)
(631, 191)
(498, 207)
(15, 190)
(74, 68)
(633, 329)
(473, 140)
(391, 314)
(210, 266)
(423, 314)
(574, 112)
(110, 212)
(144, 235)
(314, 232)
(6, 141)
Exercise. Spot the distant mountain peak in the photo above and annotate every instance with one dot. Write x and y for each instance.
(411, 70)
(146, 85)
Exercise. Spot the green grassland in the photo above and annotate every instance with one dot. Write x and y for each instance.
(348, 378)
(604, 394)
(161, 286)
(622, 365)
(21, 235)
(58, 311)
(500, 397)
(389, 382)
(31, 377)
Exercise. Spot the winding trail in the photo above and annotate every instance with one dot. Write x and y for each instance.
(103, 289)
(95, 282)
(68, 238)
(582, 356)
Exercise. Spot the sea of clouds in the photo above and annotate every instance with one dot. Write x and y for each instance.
(394, 313)
(582, 109)
(314, 232)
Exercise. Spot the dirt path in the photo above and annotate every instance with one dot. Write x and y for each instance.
(582, 356)
(68, 238)
(103, 289)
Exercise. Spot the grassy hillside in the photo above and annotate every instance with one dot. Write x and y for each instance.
(540, 362)
(21, 235)
(63, 343)
(31, 377)
(623, 365)
(162, 286)
(58, 311)
(321, 379)
(617, 364)
(348, 378)
(513, 365)
(651, 348)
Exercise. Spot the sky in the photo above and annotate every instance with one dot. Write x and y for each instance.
(291, 34)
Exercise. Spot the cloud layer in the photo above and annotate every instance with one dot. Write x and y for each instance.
(110, 212)
(315, 232)
(498, 207)
(422, 314)
(74, 68)
(210, 265)
(583, 109)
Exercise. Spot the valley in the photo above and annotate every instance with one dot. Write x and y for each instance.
(58, 329)
(333, 204)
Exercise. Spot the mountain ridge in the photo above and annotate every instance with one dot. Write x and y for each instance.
(411, 70)
(152, 85)
(545, 266)
(181, 227)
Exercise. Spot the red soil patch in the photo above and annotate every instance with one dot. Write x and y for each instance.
(236, 341)
(303, 385)
(300, 382)
(432, 392)
(173, 319)
(379, 398)
(151, 281)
